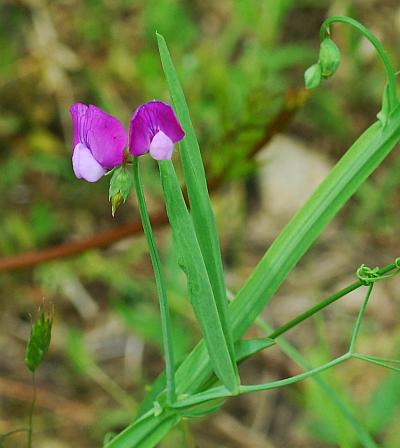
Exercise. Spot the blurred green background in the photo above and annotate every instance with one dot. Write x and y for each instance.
(240, 63)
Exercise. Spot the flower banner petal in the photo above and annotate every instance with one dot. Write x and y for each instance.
(106, 137)
(78, 113)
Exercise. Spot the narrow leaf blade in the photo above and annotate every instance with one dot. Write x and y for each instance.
(145, 432)
(200, 291)
(200, 206)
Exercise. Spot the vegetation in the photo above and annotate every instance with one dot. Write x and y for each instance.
(241, 67)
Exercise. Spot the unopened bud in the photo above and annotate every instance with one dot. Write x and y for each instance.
(329, 57)
(313, 76)
(120, 186)
(116, 201)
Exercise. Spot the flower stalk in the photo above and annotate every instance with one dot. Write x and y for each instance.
(390, 72)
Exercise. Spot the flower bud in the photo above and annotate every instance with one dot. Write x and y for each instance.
(116, 201)
(329, 57)
(120, 186)
(313, 76)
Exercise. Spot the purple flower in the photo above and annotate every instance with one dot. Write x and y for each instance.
(155, 128)
(98, 143)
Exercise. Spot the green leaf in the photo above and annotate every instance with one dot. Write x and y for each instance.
(200, 206)
(199, 288)
(39, 341)
(156, 389)
(247, 347)
(146, 432)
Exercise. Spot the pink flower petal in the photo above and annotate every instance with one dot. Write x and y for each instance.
(161, 147)
(78, 114)
(85, 165)
(102, 133)
(106, 137)
(147, 121)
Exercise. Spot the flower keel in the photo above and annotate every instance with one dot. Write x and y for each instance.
(85, 165)
(161, 147)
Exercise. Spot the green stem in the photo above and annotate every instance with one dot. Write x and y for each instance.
(315, 309)
(295, 378)
(391, 75)
(363, 436)
(373, 361)
(155, 259)
(360, 318)
(336, 296)
(379, 358)
(223, 392)
(30, 421)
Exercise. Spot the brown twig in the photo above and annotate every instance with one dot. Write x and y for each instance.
(295, 98)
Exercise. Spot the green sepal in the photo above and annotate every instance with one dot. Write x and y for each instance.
(329, 57)
(120, 186)
(313, 76)
(39, 341)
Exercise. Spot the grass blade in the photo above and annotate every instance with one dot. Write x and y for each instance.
(200, 206)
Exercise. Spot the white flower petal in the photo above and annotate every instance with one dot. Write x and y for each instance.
(85, 165)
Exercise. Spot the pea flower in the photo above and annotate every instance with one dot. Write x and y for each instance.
(98, 142)
(154, 128)
(99, 139)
